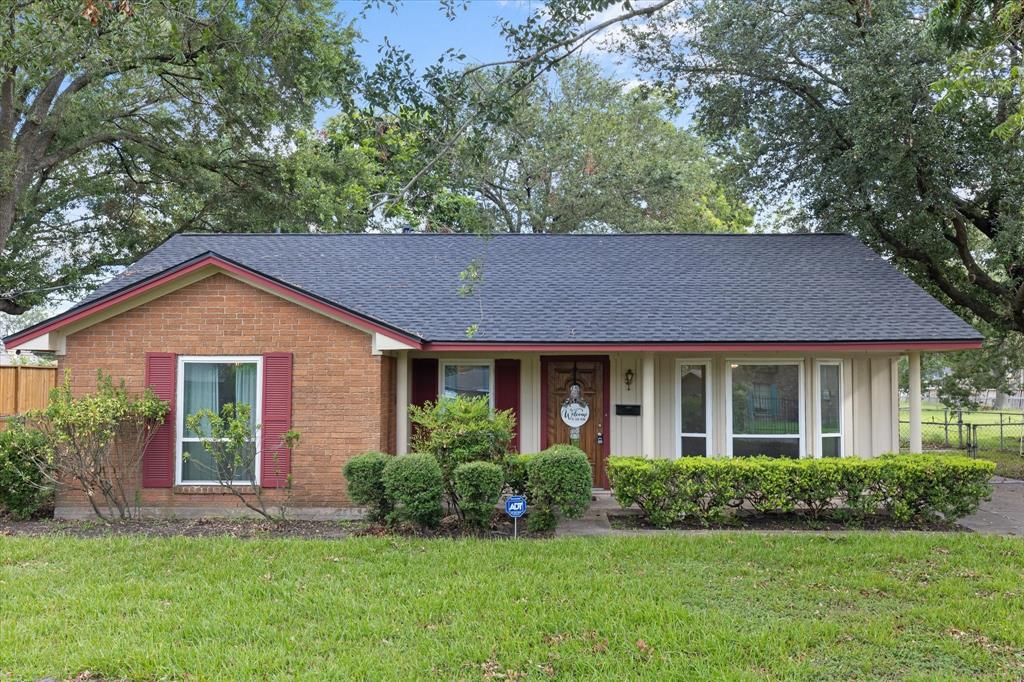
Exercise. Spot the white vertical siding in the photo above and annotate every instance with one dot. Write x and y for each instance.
(870, 400)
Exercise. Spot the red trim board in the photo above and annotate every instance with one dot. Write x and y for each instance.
(707, 347)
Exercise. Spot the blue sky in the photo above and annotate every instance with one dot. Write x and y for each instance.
(421, 28)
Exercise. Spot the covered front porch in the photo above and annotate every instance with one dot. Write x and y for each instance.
(795, 402)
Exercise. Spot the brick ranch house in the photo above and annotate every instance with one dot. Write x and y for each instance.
(678, 345)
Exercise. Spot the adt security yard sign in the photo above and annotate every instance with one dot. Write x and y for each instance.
(515, 506)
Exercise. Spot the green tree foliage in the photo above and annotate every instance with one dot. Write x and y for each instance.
(122, 122)
(832, 109)
(959, 377)
(579, 152)
(987, 36)
(571, 152)
(831, 105)
(350, 176)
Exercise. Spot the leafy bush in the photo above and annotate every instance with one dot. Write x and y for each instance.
(559, 481)
(24, 490)
(671, 490)
(365, 476)
(478, 485)
(516, 475)
(95, 442)
(229, 437)
(925, 488)
(459, 430)
(910, 488)
(415, 486)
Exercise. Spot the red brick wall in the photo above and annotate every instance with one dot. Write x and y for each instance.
(342, 400)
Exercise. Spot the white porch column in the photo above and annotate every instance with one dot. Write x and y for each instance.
(402, 404)
(647, 405)
(915, 401)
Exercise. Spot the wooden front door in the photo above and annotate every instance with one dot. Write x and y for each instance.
(591, 373)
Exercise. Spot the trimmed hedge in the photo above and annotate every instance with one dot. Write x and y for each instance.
(908, 488)
(365, 476)
(559, 481)
(478, 485)
(415, 485)
(24, 491)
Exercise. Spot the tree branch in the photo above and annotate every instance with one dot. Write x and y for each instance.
(961, 240)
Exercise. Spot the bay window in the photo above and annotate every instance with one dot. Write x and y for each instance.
(210, 383)
(765, 408)
(693, 408)
(830, 408)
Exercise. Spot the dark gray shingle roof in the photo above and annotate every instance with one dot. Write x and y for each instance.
(593, 288)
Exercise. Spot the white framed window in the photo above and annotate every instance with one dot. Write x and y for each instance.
(209, 383)
(693, 408)
(468, 378)
(765, 408)
(829, 408)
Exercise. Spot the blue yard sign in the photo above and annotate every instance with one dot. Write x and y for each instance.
(515, 506)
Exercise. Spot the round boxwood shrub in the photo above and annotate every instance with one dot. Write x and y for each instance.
(414, 485)
(24, 492)
(365, 476)
(478, 485)
(516, 476)
(560, 481)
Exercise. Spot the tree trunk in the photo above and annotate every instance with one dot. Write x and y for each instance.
(1000, 401)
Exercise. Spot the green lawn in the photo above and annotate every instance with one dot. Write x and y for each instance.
(1008, 464)
(935, 433)
(698, 606)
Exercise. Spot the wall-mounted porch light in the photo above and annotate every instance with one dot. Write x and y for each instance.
(629, 379)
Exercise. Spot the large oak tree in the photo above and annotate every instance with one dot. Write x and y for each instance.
(839, 115)
(121, 122)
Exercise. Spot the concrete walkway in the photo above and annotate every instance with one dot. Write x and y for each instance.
(595, 521)
(1004, 513)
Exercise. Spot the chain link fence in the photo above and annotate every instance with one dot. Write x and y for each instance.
(946, 429)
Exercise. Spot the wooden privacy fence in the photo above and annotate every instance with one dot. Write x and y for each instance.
(23, 389)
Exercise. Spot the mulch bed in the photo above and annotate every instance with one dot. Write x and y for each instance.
(795, 521)
(500, 529)
(251, 528)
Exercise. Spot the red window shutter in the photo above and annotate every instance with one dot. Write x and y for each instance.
(506, 392)
(158, 457)
(275, 459)
(424, 381)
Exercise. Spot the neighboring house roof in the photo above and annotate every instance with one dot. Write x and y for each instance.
(586, 289)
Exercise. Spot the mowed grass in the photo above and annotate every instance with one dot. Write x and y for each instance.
(1009, 464)
(992, 438)
(727, 605)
